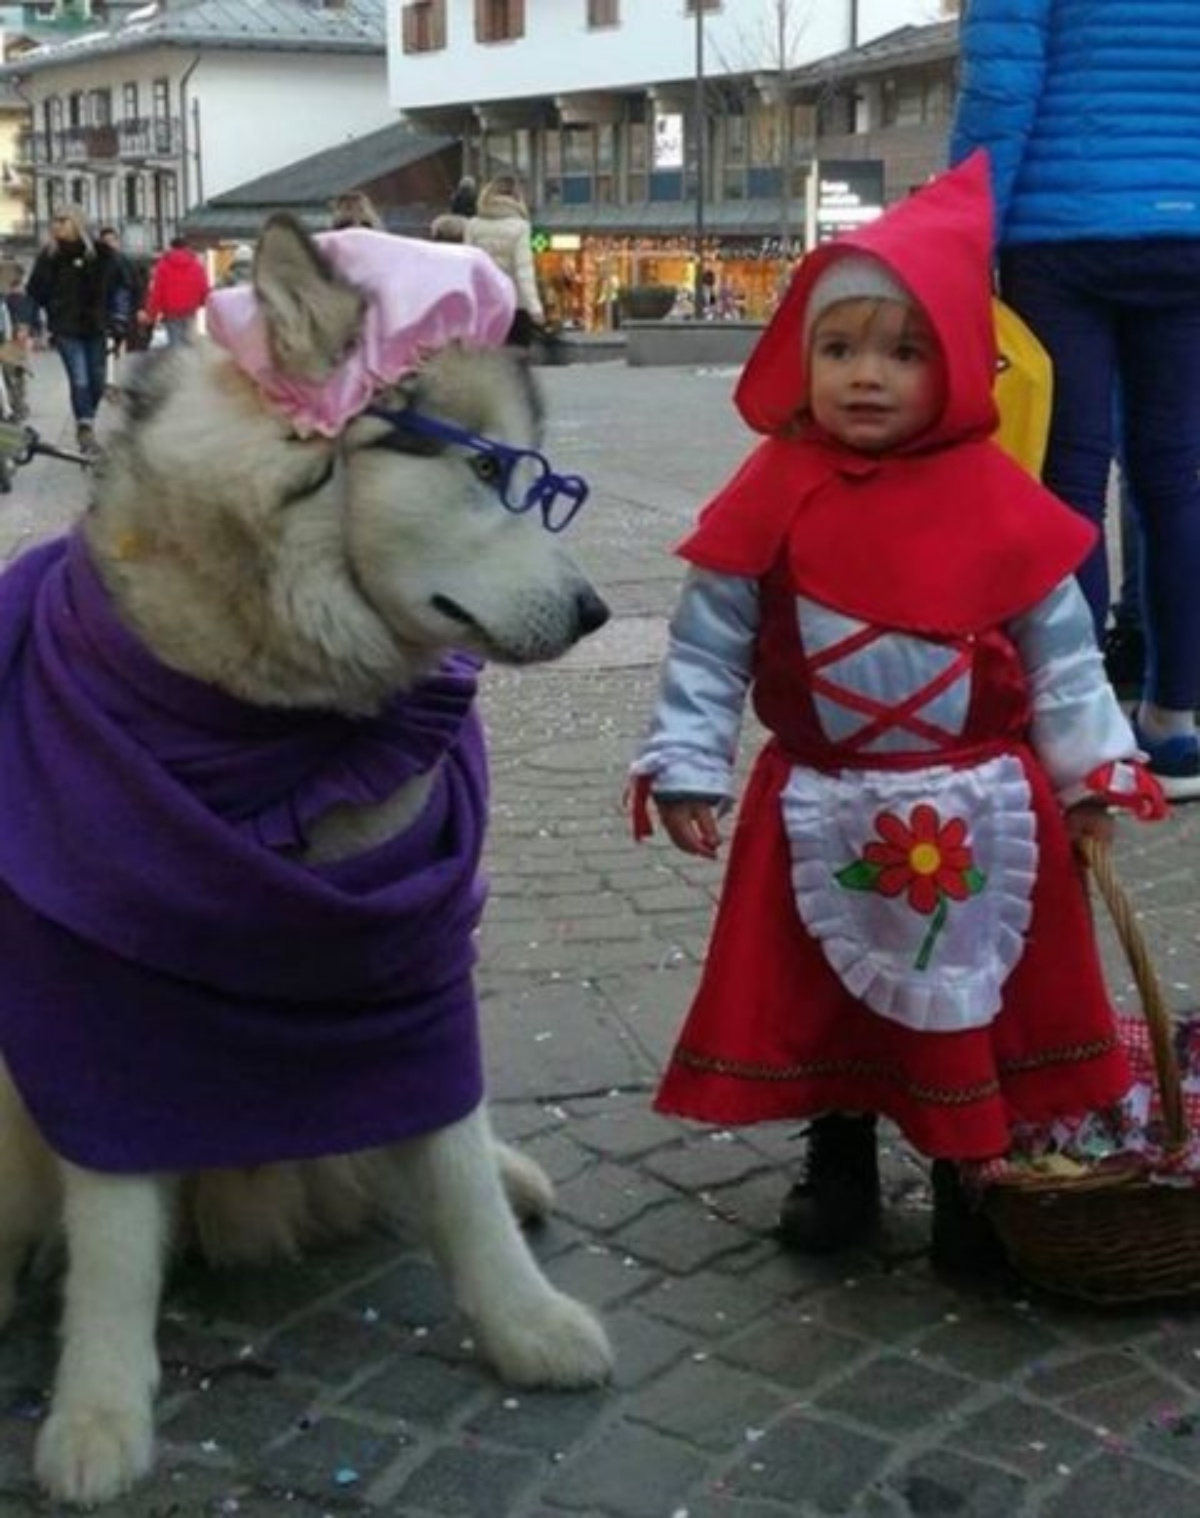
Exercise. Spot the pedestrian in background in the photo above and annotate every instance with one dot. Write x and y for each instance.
(124, 302)
(903, 930)
(1090, 113)
(72, 280)
(240, 267)
(501, 228)
(451, 225)
(125, 295)
(354, 209)
(25, 325)
(178, 289)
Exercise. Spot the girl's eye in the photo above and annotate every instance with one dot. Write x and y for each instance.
(909, 353)
(487, 467)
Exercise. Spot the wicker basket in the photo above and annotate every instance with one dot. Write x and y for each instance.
(1110, 1236)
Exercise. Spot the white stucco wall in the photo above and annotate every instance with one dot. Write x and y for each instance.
(258, 111)
(261, 111)
(654, 43)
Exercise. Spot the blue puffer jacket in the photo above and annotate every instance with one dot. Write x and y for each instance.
(1091, 112)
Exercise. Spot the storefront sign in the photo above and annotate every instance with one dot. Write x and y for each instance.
(849, 194)
(565, 242)
(668, 142)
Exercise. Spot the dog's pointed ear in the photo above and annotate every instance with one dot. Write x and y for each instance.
(313, 317)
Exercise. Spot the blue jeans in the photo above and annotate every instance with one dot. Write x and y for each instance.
(1127, 312)
(180, 329)
(83, 359)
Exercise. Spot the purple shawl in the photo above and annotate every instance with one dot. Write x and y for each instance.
(176, 991)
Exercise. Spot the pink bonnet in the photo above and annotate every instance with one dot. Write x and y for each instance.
(421, 296)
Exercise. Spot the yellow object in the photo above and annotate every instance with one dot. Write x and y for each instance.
(1024, 390)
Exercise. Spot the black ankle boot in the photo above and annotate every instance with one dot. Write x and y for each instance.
(837, 1203)
(963, 1241)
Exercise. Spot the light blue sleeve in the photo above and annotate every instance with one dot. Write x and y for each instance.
(692, 743)
(1078, 725)
(1002, 69)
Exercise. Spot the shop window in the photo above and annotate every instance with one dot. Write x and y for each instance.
(499, 20)
(578, 150)
(902, 103)
(552, 167)
(606, 148)
(765, 184)
(604, 12)
(498, 155)
(766, 136)
(424, 26)
(836, 115)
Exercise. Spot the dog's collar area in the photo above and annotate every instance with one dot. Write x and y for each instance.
(521, 477)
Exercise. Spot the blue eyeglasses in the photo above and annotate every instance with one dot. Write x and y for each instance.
(521, 477)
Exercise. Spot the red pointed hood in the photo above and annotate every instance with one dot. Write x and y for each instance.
(944, 535)
(938, 244)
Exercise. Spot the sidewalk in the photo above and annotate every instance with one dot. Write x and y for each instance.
(749, 1383)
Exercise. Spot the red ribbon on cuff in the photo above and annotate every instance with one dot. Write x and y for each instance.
(637, 800)
(1146, 801)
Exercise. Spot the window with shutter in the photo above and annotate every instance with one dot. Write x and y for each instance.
(424, 26)
(604, 12)
(499, 20)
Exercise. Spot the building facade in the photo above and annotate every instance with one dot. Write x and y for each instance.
(144, 117)
(612, 112)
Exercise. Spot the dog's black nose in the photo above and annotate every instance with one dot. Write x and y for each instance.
(590, 611)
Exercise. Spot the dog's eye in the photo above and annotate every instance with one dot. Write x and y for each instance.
(487, 467)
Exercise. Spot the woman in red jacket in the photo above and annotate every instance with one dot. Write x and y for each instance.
(178, 288)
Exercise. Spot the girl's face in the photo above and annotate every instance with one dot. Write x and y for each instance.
(876, 377)
(64, 229)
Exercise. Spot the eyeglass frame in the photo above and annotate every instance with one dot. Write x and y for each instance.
(547, 489)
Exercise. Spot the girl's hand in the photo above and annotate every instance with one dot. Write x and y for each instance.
(1090, 819)
(691, 826)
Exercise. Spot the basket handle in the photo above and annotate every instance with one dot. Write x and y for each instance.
(1098, 858)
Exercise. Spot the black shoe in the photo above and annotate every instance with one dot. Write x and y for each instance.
(1125, 659)
(963, 1241)
(837, 1203)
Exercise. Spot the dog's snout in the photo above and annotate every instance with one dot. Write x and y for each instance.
(591, 613)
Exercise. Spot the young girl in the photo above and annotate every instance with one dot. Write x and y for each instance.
(903, 929)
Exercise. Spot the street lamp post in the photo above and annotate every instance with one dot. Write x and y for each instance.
(698, 113)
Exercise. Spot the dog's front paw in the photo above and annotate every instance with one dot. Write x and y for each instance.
(555, 1341)
(93, 1454)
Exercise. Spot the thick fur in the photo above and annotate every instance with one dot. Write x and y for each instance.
(304, 572)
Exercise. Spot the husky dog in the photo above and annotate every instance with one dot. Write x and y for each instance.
(289, 570)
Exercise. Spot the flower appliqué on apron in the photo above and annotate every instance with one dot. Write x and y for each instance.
(926, 860)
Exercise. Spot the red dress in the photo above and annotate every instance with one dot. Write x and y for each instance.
(946, 543)
(774, 1033)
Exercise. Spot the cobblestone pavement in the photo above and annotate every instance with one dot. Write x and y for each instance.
(749, 1383)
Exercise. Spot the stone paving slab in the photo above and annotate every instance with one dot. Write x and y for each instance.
(749, 1383)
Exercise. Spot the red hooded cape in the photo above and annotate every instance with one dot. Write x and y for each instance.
(946, 535)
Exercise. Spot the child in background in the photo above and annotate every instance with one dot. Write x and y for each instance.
(903, 930)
